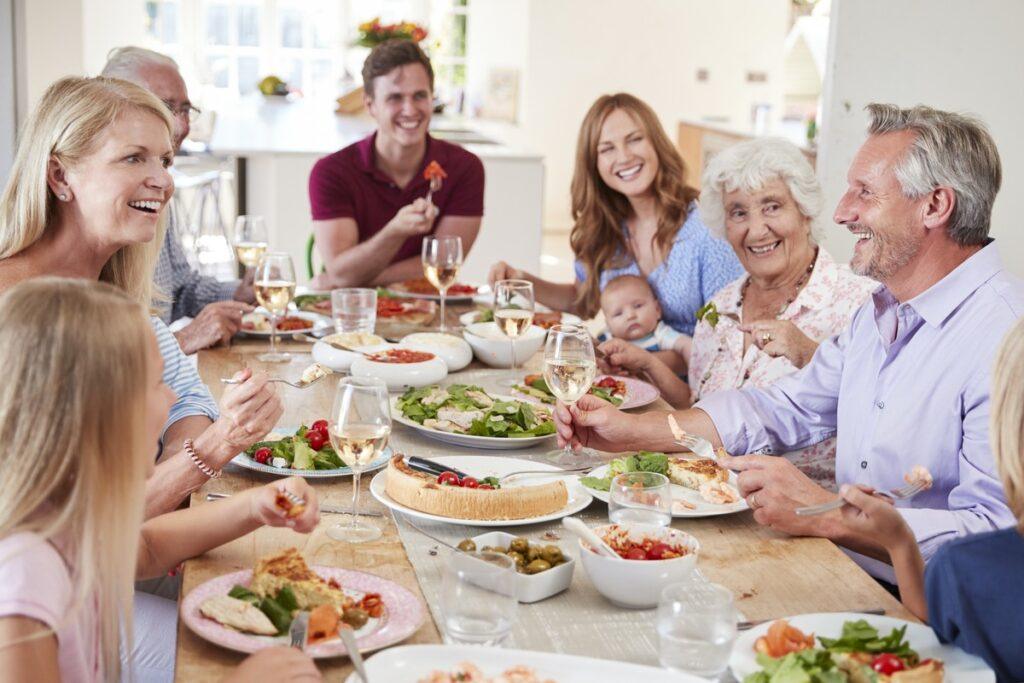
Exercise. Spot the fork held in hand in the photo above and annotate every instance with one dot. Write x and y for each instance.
(299, 385)
(908, 491)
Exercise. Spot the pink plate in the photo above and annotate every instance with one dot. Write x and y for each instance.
(638, 392)
(403, 614)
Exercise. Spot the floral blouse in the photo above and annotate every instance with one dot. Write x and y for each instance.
(822, 309)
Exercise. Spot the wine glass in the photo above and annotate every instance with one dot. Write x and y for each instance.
(513, 313)
(644, 497)
(358, 426)
(274, 285)
(442, 258)
(250, 240)
(569, 369)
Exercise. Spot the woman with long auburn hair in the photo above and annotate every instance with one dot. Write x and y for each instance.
(634, 215)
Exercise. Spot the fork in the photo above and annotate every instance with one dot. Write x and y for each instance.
(698, 445)
(299, 385)
(297, 631)
(505, 477)
(908, 491)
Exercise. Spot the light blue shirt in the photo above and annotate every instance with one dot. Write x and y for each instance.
(697, 266)
(905, 384)
(181, 376)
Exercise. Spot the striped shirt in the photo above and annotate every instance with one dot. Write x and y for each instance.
(181, 376)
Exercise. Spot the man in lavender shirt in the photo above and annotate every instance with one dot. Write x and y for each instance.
(908, 382)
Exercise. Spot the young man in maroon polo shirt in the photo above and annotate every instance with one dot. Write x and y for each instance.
(370, 211)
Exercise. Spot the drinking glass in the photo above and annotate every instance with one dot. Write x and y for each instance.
(442, 258)
(249, 240)
(274, 285)
(354, 310)
(358, 426)
(569, 369)
(644, 497)
(696, 628)
(513, 313)
(478, 597)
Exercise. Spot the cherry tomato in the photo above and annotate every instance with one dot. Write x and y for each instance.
(636, 554)
(887, 663)
(486, 486)
(658, 550)
(320, 426)
(262, 455)
(470, 483)
(316, 439)
(449, 479)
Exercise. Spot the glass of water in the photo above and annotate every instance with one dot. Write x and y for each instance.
(354, 310)
(696, 628)
(644, 497)
(478, 598)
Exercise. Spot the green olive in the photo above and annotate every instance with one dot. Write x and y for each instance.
(538, 566)
(533, 553)
(467, 546)
(355, 617)
(518, 557)
(552, 553)
(520, 545)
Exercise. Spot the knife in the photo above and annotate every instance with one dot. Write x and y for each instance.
(747, 625)
(352, 649)
(431, 467)
(329, 509)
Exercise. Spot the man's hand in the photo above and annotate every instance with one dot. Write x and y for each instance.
(782, 338)
(244, 291)
(216, 324)
(413, 219)
(774, 488)
(594, 423)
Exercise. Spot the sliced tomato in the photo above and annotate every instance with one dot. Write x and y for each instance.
(485, 486)
(470, 483)
(448, 479)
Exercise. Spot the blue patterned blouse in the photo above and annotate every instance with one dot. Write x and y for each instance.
(697, 266)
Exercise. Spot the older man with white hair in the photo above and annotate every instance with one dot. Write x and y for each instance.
(908, 382)
(216, 307)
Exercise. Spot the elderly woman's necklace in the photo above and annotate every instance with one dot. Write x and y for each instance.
(796, 288)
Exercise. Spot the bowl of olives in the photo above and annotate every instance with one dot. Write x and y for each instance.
(544, 570)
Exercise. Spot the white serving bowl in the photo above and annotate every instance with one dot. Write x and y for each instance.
(637, 584)
(401, 376)
(493, 348)
(454, 351)
(339, 360)
(533, 587)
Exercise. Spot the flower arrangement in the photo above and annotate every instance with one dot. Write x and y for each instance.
(373, 33)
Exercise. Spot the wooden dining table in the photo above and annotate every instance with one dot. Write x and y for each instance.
(771, 575)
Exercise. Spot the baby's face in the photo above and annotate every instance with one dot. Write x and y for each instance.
(631, 311)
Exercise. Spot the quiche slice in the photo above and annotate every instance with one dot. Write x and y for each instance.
(288, 568)
(693, 473)
(421, 492)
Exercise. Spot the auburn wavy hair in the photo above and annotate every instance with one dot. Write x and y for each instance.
(598, 211)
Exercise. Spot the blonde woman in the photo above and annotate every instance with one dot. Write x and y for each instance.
(971, 591)
(85, 198)
(72, 536)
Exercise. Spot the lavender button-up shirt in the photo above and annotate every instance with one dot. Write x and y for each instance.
(904, 384)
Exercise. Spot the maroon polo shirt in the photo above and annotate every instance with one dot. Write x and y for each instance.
(347, 184)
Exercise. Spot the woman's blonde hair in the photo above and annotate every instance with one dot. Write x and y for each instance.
(66, 125)
(598, 211)
(72, 406)
(1007, 420)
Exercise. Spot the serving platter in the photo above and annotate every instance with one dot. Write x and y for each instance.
(468, 440)
(321, 325)
(702, 507)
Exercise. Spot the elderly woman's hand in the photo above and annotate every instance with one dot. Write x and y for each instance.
(782, 338)
(247, 411)
(620, 355)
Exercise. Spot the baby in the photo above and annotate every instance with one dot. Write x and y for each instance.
(633, 314)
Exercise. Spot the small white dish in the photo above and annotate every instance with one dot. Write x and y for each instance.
(637, 584)
(455, 352)
(401, 376)
(493, 348)
(533, 587)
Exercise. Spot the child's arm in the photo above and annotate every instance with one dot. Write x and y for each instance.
(622, 354)
(877, 518)
(31, 658)
(169, 539)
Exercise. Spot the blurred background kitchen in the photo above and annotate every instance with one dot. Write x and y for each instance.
(514, 78)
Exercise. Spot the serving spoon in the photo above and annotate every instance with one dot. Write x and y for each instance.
(596, 542)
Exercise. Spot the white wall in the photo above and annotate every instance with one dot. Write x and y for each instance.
(962, 56)
(7, 89)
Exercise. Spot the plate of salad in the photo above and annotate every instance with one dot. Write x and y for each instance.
(466, 415)
(303, 452)
(622, 392)
(841, 647)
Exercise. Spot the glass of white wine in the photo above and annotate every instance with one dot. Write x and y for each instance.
(274, 285)
(513, 314)
(250, 240)
(442, 258)
(359, 426)
(569, 369)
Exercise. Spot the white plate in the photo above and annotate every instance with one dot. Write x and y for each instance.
(243, 460)
(468, 440)
(321, 325)
(410, 663)
(481, 466)
(960, 666)
(452, 298)
(704, 508)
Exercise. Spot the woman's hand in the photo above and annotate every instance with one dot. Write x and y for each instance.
(264, 508)
(503, 271)
(275, 665)
(247, 412)
(782, 338)
(874, 516)
(620, 355)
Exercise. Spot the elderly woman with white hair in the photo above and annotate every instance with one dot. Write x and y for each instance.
(763, 198)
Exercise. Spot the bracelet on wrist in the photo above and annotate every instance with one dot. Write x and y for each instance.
(190, 450)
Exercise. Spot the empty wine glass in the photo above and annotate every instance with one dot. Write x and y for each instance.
(478, 597)
(696, 628)
(643, 497)
(250, 240)
(569, 369)
(359, 426)
(513, 313)
(274, 285)
(442, 258)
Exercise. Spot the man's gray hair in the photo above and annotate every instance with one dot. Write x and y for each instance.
(949, 150)
(750, 166)
(126, 62)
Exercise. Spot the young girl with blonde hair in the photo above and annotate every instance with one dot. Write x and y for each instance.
(81, 409)
(971, 592)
